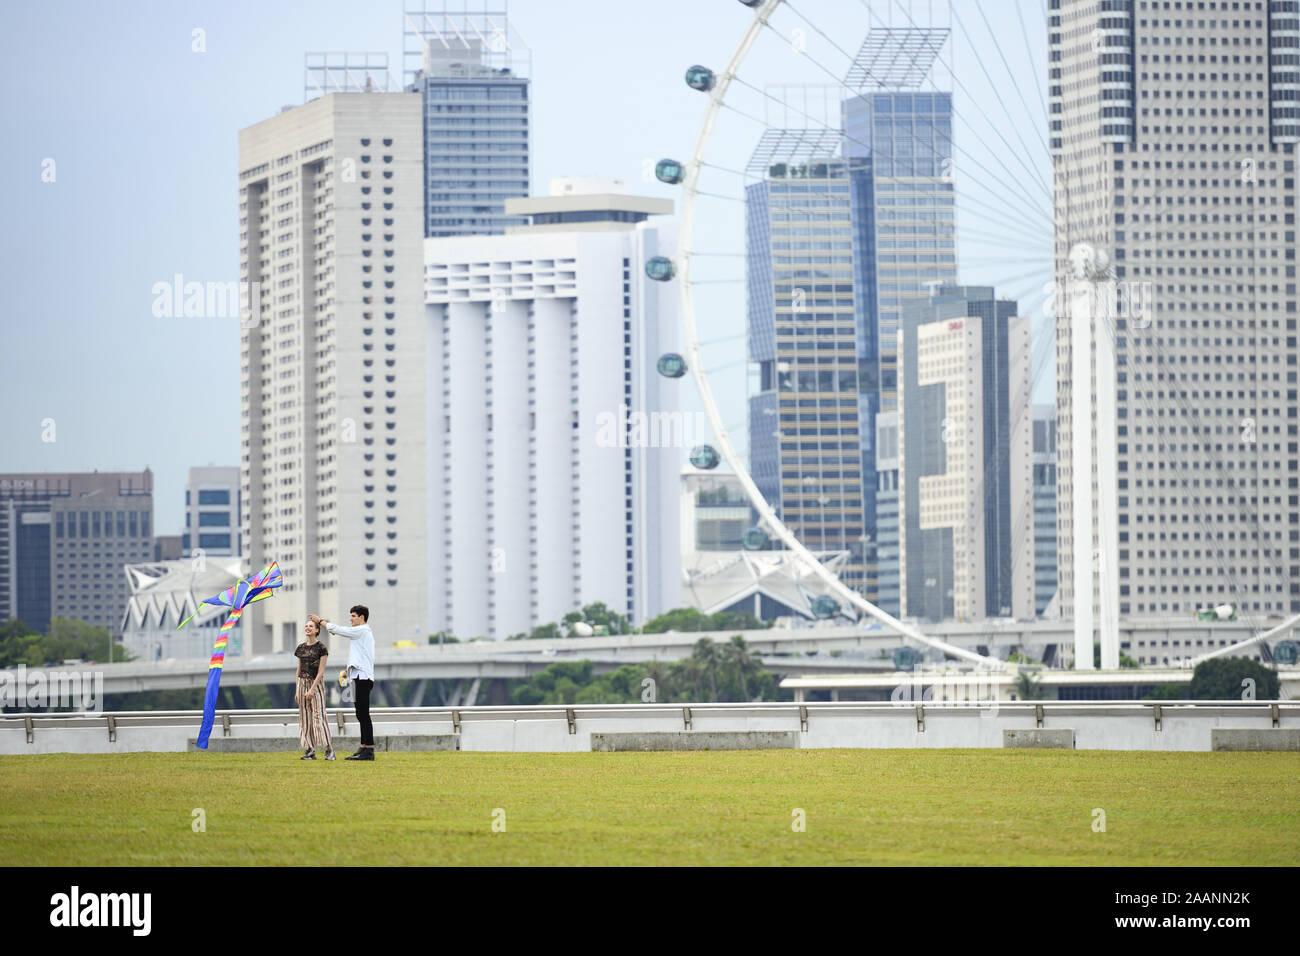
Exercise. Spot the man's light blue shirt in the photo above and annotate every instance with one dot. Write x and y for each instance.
(361, 656)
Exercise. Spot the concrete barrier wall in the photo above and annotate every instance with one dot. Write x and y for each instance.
(556, 729)
(1040, 738)
(697, 740)
(1226, 738)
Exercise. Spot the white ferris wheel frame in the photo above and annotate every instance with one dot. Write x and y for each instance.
(768, 516)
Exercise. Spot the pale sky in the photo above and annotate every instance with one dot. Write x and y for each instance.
(142, 134)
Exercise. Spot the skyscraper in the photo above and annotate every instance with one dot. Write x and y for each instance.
(544, 494)
(65, 541)
(965, 498)
(904, 219)
(1173, 130)
(870, 224)
(333, 362)
(904, 213)
(473, 80)
(806, 452)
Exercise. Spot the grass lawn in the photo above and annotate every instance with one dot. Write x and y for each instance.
(860, 807)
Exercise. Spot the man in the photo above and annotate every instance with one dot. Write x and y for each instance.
(361, 671)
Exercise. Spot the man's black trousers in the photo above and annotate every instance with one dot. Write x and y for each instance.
(361, 690)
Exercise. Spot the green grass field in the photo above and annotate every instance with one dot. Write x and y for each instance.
(861, 807)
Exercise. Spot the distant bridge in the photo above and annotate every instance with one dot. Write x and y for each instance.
(799, 651)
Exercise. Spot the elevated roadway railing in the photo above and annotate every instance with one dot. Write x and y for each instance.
(1102, 725)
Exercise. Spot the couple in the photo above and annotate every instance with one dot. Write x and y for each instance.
(313, 724)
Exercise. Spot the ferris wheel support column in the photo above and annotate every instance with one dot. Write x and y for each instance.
(1080, 301)
(767, 513)
(1107, 482)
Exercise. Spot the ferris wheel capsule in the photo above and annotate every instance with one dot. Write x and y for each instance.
(700, 78)
(671, 365)
(824, 606)
(906, 658)
(705, 457)
(755, 539)
(660, 268)
(670, 171)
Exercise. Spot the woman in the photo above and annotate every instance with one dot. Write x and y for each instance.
(313, 724)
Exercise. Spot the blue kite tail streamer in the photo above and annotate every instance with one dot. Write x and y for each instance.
(209, 707)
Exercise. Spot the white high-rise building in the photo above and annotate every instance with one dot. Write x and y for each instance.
(550, 485)
(331, 224)
(1173, 132)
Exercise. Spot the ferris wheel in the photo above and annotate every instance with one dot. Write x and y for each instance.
(918, 48)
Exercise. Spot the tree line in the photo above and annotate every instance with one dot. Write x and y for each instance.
(712, 673)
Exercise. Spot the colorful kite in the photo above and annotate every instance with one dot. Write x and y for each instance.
(236, 597)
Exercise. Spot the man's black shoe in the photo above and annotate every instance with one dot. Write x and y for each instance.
(364, 753)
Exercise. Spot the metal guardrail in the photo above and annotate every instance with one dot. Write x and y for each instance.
(114, 723)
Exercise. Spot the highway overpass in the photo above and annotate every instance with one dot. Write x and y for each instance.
(824, 649)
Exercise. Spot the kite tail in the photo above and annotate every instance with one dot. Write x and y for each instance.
(214, 678)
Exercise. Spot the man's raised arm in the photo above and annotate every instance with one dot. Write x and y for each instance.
(342, 630)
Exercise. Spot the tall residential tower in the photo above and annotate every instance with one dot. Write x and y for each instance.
(333, 353)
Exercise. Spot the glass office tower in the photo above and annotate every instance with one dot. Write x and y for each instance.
(899, 146)
(477, 100)
(805, 442)
(905, 210)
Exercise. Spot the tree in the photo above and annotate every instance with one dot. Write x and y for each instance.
(706, 655)
(1167, 692)
(1221, 678)
(66, 639)
(1125, 662)
(18, 645)
(542, 632)
(687, 619)
(1028, 686)
(597, 615)
(737, 655)
(678, 619)
(737, 621)
(713, 672)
